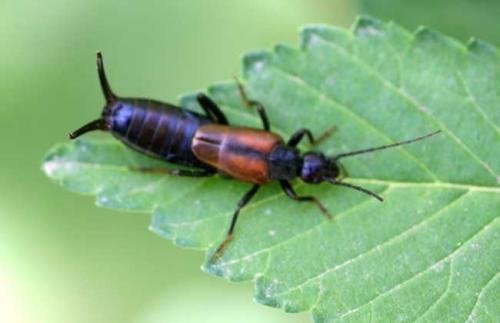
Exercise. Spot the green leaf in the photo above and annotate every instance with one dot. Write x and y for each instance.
(481, 19)
(430, 252)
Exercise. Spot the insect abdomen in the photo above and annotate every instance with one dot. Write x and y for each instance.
(241, 153)
(157, 129)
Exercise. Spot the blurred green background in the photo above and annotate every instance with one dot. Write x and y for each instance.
(62, 259)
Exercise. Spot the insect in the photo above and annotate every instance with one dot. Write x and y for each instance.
(205, 144)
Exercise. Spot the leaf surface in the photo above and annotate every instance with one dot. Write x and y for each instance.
(430, 252)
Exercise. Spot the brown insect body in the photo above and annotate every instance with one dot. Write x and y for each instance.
(206, 144)
(239, 152)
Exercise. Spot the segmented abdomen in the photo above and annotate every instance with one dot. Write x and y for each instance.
(157, 129)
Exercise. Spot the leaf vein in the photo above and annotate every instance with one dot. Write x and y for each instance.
(474, 103)
(442, 295)
(477, 233)
(380, 245)
(301, 234)
(486, 285)
(399, 91)
(356, 116)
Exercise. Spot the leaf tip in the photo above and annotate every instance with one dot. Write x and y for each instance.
(479, 46)
(188, 101)
(423, 33)
(255, 61)
(306, 33)
(158, 225)
(49, 167)
(282, 48)
(221, 90)
(368, 26)
(217, 267)
(103, 201)
(51, 160)
(426, 34)
(310, 34)
(265, 291)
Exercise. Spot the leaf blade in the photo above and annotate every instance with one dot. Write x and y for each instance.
(379, 84)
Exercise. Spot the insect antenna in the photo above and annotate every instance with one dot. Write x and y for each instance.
(354, 187)
(369, 150)
(98, 124)
(106, 89)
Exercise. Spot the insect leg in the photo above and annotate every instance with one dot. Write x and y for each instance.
(244, 200)
(211, 109)
(299, 135)
(175, 172)
(287, 188)
(252, 103)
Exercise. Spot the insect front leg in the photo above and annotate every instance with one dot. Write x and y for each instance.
(229, 235)
(299, 135)
(287, 188)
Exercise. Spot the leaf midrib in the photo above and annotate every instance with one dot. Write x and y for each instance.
(436, 184)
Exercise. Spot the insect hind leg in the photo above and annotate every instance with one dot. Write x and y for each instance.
(175, 172)
(229, 235)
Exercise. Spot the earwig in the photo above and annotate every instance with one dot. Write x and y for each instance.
(205, 144)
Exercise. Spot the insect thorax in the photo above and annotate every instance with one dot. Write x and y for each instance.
(284, 162)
